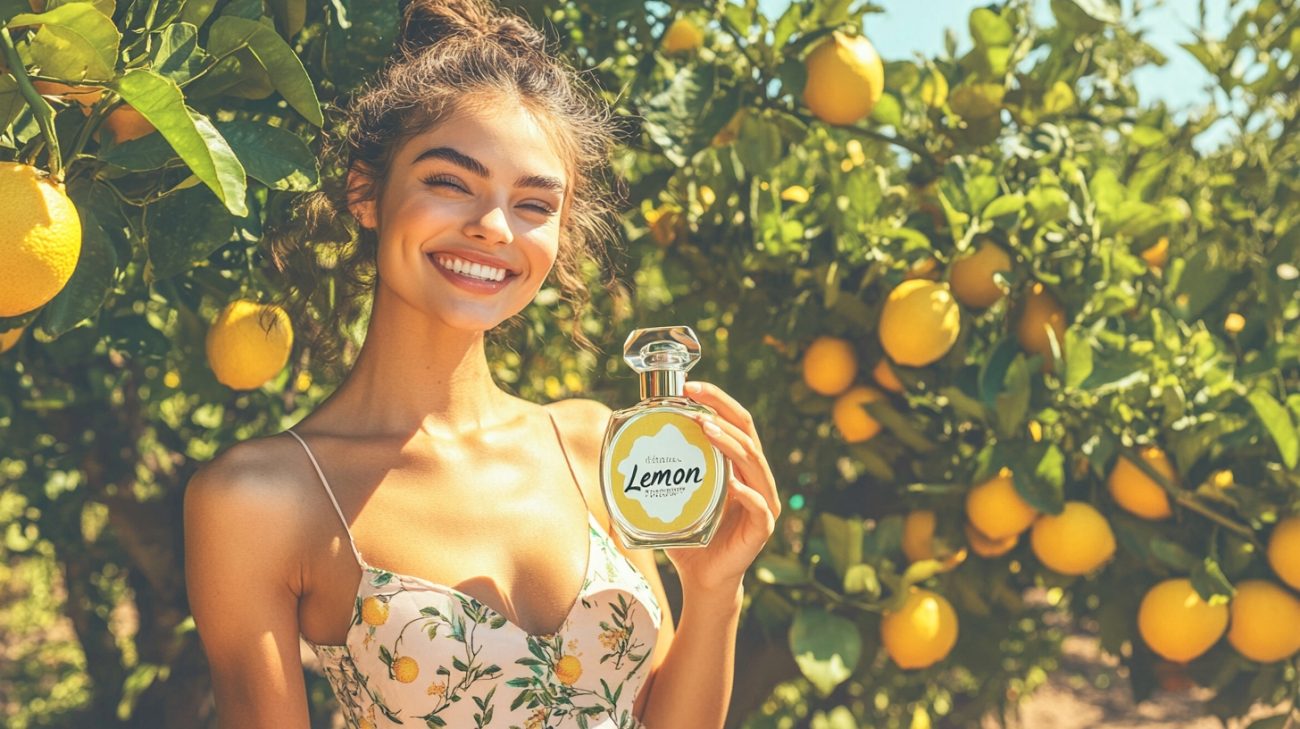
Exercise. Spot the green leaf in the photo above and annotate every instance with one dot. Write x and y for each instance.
(1278, 423)
(1004, 205)
(888, 111)
(12, 102)
(898, 424)
(104, 6)
(91, 281)
(826, 647)
(193, 137)
(1078, 356)
(175, 52)
(1270, 722)
(987, 28)
(843, 541)
(75, 42)
(277, 157)
(184, 228)
(1210, 582)
(862, 579)
(285, 69)
(289, 15)
(779, 569)
(1011, 406)
(1038, 473)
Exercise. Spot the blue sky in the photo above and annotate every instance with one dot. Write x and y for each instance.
(908, 27)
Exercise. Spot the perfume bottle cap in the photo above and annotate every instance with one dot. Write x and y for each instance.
(662, 355)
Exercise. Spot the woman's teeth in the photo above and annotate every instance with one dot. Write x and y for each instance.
(473, 270)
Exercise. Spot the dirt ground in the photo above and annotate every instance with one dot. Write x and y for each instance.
(1070, 700)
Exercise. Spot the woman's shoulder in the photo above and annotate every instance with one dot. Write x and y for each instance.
(262, 471)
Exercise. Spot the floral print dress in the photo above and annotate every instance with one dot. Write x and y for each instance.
(422, 654)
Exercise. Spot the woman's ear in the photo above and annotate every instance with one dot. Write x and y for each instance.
(361, 200)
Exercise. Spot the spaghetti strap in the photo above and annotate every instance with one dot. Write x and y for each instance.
(572, 473)
(330, 492)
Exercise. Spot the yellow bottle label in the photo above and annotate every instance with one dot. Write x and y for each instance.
(662, 471)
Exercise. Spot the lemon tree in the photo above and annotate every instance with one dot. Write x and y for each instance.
(1020, 343)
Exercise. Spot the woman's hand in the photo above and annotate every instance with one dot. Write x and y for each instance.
(752, 504)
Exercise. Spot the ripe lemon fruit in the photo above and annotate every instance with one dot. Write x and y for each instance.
(996, 509)
(1138, 493)
(885, 377)
(1039, 313)
(682, 35)
(920, 633)
(1074, 542)
(405, 669)
(845, 79)
(374, 611)
(854, 423)
(1176, 623)
(971, 277)
(125, 123)
(829, 365)
(919, 322)
(1157, 255)
(10, 338)
(242, 353)
(985, 547)
(40, 240)
(568, 669)
(1284, 551)
(1265, 621)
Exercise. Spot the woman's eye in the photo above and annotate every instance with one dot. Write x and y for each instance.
(448, 182)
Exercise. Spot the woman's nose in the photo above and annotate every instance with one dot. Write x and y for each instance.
(490, 224)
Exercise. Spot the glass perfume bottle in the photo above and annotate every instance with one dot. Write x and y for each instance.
(663, 481)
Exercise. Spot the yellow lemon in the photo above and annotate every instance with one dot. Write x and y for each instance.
(845, 79)
(986, 547)
(1074, 542)
(241, 352)
(919, 323)
(568, 669)
(996, 509)
(854, 422)
(405, 669)
(885, 377)
(971, 277)
(10, 338)
(682, 35)
(374, 611)
(1284, 551)
(40, 239)
(1234, 323)
(125, 123)
(1136, 492)
(1039, 313)
(920, 633)
(1157, 255)
(795, 193)
(1176, 623)
(1265, 625)
(829, 365)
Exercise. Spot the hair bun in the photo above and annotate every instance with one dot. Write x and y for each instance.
(426, 22)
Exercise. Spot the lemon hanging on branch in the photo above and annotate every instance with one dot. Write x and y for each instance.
(40, 241)
(249, 344)
(919, 322)
(845, 79)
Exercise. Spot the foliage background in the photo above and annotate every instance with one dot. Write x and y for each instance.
(1035, 138)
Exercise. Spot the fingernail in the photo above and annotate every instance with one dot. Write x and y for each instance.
(692, 387)
(711, 429)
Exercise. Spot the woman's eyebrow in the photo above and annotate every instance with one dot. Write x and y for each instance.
(460, 159)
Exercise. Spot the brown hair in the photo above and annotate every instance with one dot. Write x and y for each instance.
(445, 52)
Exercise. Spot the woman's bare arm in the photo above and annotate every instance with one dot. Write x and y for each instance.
(242, 576)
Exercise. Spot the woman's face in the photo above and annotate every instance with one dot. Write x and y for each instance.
(484, 187)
